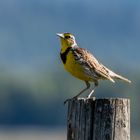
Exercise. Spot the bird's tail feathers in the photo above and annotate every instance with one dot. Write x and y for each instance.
(116, 76)
(111, 79)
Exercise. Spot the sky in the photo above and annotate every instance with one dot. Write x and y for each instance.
(28, 41)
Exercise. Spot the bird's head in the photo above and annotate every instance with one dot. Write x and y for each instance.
(67, 40)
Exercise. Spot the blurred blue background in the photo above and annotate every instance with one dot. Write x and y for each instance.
(33, 83)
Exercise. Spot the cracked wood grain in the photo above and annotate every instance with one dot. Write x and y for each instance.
(98, 119)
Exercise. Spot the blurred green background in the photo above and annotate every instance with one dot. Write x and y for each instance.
(33, 83)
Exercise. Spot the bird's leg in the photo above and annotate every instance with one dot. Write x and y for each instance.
(88, 86)
(91, 92)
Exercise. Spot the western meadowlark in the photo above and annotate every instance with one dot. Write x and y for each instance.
(83, 65)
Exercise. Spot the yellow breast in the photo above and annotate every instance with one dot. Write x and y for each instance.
(75, 68)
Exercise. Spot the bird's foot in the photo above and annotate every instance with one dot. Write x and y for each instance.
(66, 101)
(74, 98)
(91, 98)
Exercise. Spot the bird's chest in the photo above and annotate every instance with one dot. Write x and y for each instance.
(74, 67)
(71, 63)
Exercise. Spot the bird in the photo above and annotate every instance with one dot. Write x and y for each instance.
(83, 65)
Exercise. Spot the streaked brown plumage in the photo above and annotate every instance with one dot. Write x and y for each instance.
(83, 65)
(100, 71)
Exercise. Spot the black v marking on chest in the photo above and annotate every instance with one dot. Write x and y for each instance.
(64, 55)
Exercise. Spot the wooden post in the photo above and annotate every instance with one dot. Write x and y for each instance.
(98, 119)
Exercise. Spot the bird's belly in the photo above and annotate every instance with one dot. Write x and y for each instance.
(76, 69)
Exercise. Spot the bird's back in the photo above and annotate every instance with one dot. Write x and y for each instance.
(83, 65)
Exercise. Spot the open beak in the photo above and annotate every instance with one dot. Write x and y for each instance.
(60, 35)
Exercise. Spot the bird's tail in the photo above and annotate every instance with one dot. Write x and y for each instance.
(116, 76)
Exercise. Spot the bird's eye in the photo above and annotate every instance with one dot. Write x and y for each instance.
(67, 37)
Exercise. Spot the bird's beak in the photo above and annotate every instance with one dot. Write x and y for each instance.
(60, 35)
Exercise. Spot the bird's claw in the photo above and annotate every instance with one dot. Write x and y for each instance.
(66, 101)
(74, 98)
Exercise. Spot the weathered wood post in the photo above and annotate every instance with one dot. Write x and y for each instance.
(98, 119)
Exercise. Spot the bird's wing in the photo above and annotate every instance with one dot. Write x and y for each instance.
(91, 64)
